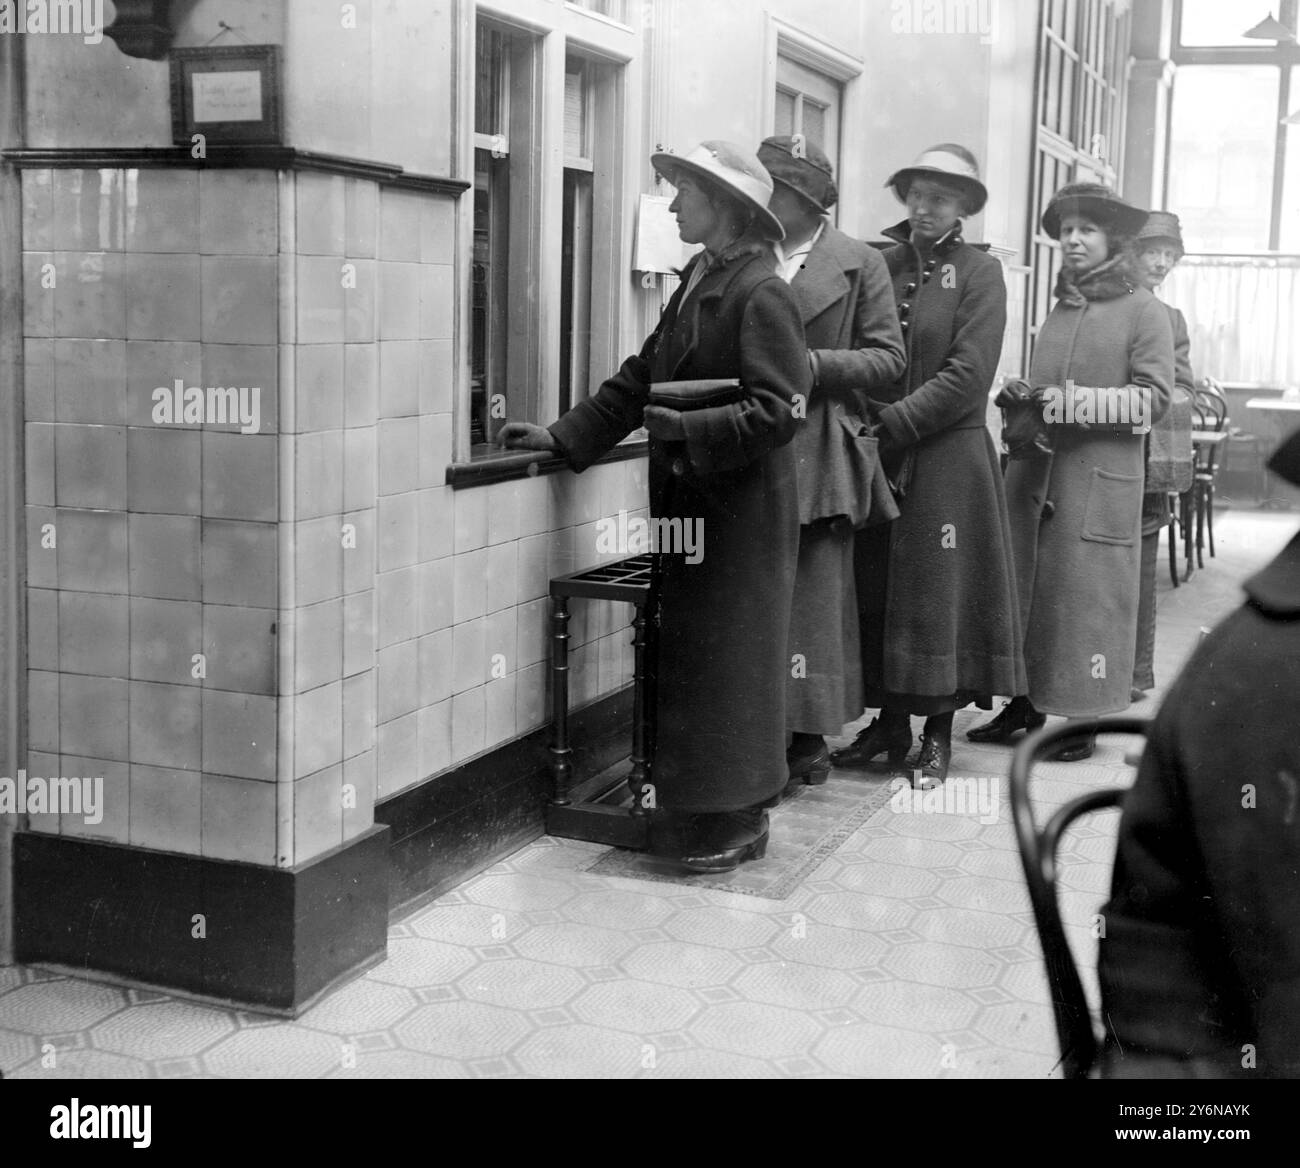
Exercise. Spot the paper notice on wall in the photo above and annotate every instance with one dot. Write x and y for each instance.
(227, 97)
(658, 246)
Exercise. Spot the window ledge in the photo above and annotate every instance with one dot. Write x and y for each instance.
(521, 464)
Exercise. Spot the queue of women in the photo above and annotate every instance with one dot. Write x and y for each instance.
(863, 549)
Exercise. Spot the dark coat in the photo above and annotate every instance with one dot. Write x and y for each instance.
(950, 625)
(1201, 954)
(851, 326)
(1076, 515)
(721, 661)
(1169, 445)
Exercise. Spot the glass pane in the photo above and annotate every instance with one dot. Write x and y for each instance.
(784, 112)
(488, 289)
(1290, 235)
(491, 50)
(575, 288)
(1221, 155)
(1052, 114)
(1212, 22)
(575, 110)
(814, 123)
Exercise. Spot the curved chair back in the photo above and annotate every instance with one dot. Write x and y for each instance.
(1038, 848)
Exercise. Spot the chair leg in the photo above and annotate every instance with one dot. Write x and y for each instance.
(1200, 525)
(1209, 513)
(1171, 530)
(1185, 520)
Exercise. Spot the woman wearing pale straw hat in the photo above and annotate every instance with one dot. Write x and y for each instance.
(940, 626)
(1101, 372)
(1158, 249)
(855, 348)
(732, 331)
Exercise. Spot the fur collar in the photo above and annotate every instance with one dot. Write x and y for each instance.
(746, 246)
(1106, 281)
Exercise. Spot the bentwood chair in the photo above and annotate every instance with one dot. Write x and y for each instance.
(1074, 1028)
(1212, 408)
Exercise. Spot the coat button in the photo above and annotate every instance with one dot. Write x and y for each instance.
(1049, 509)
(678, 467)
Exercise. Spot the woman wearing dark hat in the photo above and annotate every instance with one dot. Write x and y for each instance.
(1103, 364)
(1201, 962)
(855, 347)
(1158, 249)
(720, 662)
(940, 626)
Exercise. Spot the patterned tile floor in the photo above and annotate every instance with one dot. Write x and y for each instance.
(909, 953)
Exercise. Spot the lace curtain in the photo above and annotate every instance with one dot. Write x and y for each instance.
(1243, 314)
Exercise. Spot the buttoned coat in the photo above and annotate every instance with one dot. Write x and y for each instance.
(1201, 956)
(945, 581)
(1076, 515)
(720, 660)
(847, 306)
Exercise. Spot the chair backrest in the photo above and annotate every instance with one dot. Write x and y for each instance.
(1038, 858)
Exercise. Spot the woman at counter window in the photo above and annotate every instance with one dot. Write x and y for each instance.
(720, 657)
(939, 621)
(1102, 372)
(855, 348)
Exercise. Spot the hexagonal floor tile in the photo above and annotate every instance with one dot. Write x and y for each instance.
(678, 963)
(521, 984)
(166, 1029)
(359, 1006)
(798, 987)
(933, 963)
(462, 1030)
(573, 944)
(415, 961)
(880, 1052)
(906, 1005)
(584, 1052)
(727, 928)
(639, 1007)
(282, 1051)
(507, 891)
(58, 1005)
(757, 1030)
(617, 908)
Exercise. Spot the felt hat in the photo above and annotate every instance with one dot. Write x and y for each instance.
(804, 168)
(733, 169)
(946, 163)
(1162, 225)
(1097, 202)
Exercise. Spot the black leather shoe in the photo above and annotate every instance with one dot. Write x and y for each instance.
(1136, 695)
(936, 754)
(1016, 715)
(876, 739)
(813, 768)
(723, 841)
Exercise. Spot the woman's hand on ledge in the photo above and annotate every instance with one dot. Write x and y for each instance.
(526, 436)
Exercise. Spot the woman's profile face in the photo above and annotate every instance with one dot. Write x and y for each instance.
(1155, 261)
(1084, 243)
(697, 218)
(933, 208)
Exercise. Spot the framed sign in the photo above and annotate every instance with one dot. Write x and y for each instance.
(230, 94)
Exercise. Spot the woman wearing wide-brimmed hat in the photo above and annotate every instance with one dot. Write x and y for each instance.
(939, 620)
(720, 662)
(1102, 369)
(1158, 249)
(855, 348)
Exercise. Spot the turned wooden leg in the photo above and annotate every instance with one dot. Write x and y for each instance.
(561, 767)
(640, 775)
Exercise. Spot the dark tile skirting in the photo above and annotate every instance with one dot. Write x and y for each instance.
(276, 938)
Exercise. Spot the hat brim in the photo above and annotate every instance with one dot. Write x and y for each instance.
(670, 165)
(1144, 240)
(976, 192)
(1125, 219)
(804, 195)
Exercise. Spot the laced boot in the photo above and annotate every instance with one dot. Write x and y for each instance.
(890, 733)
(936, 752)
(722, 841)
(1017, 714)
(809, 761)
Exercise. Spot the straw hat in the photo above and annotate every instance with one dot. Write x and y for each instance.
(946, 162)
(735, 170)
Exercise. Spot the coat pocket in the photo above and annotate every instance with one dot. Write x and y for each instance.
(1114, 509)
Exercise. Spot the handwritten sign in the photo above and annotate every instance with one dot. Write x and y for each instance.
(658, 246)
(227, 97)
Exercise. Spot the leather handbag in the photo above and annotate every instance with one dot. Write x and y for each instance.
(1025, 432)
(703, 394)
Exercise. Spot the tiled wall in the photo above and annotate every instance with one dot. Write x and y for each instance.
(363, 625)
(150, 544)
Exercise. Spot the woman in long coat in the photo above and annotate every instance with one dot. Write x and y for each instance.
(1105, 357)
(720, 666)
(855, 348)
(940, 625)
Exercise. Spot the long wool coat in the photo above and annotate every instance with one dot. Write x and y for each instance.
(720, 663)
(948, 627)
(851, 324)
(1076, 515)
(1202, 948)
